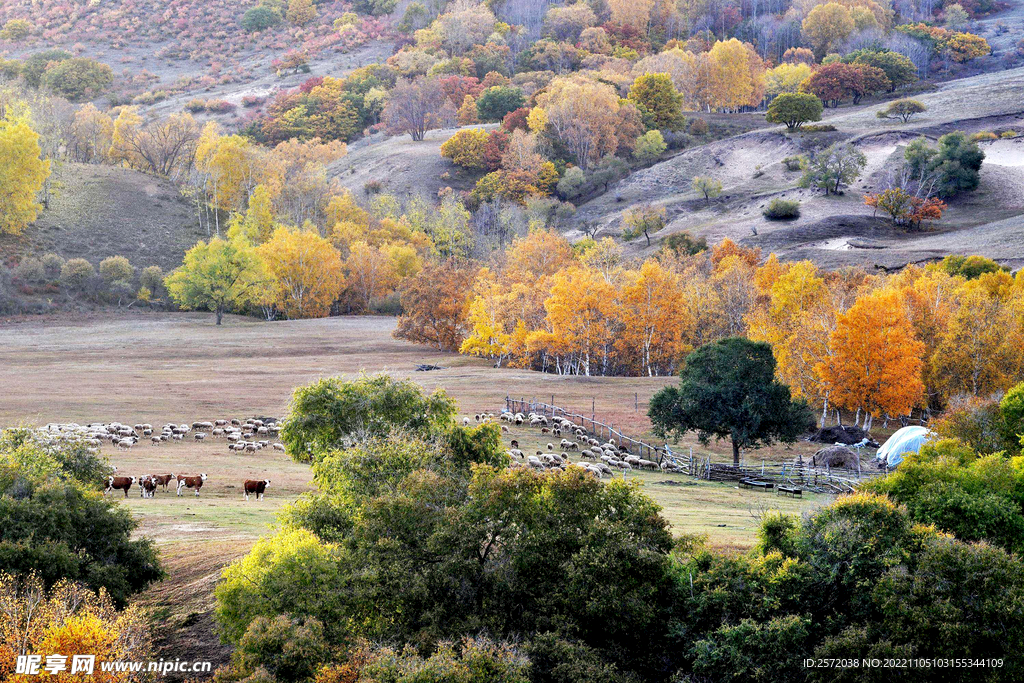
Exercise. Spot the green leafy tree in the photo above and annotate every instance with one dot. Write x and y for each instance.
(968, 267)
(495, 102)
(260, 18)
(331, 412)
(794, 109)
(58, 526)
(1011, 419)
(293, 573)
(290, 650)
(645, 220)
(152, 278)
(217, 276)
(78, 79)
(948, 484)
(510, 551)
(656, 96)
(707, 187)
(832, 168)
(572, 182)
(684, 244)
(728, 391)
(649, 147)
(35, 65)
(955, 163)
(898, 68)
(375, 7)
(902, 109)
(858, 578)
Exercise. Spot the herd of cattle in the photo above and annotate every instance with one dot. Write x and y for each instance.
(240, 435)
(149, 483)
(602, 456)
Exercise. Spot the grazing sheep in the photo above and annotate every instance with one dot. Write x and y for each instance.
(588, 454)
(504, 428)
(278, 446)
(551, 446)
(545, 430)
(514, 443)
(465, 422)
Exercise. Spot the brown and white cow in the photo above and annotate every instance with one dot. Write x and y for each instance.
(147, 486)
(119, 483)
(254, 486)
(163, 479)
(190, 482)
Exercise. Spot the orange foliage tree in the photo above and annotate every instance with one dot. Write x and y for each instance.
(435, 305)
(876, 359)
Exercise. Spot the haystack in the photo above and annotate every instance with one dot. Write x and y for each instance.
(834, 457)
(842, 434)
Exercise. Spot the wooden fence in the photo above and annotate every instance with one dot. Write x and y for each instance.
(595, 427)
(825, 480)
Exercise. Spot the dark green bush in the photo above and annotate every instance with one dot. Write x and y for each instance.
(782, 210)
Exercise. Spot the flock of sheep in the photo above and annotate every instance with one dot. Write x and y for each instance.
(240, 435)
(124, 437)
(602, 456)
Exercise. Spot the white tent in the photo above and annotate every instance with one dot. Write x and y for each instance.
(906, 440)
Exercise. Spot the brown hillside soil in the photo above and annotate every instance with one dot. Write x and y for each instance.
(402, 166)
(101, 211)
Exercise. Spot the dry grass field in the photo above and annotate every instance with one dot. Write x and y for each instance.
(162, 368)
